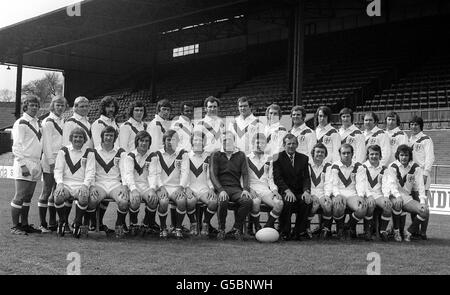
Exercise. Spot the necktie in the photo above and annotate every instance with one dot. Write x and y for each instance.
(292, 160)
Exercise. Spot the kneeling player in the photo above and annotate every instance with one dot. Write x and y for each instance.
(138, 165)
(172, 176)
(108, 174)
(377, 192)
(200, 186)
(404, 176)
(262, 185)
(321, 189)
(72, 181)
(348, 180)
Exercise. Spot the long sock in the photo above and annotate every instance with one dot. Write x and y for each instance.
(255, 220)
(402, 220)
(173, 216)
(79, 213)
(121, 217)
(424, 226)
(414, 227)
(162, 219)
(191, 216)
(24, 213)
(152, 216)
(88, 217)
(67, 208)
(339, 222)
(353, 221)
(15, 213)
(180, 218)
(384, 222)
(61, 210)
(51, 214)
(134, 216)
(146, 220)
(271, 220)
(102, 210)
(327, 221)
(396, 219)
(208, 215)
(42, 213)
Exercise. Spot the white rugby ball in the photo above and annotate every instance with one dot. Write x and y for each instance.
(267, 235)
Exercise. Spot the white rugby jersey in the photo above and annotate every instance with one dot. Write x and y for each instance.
(184, 128)
(52, 135)
(27, 137)
(244, 130)
(71, 166)
(260, 173)
(348, 181)
(306, 140)
(137, 170)
(403, 180)
(329, 136)
(378, 136)
(423, 151)
(156, 128)
(199, 180)
(77, 121)
(127, 133)
(321, 180)
(397, 137)
(107, 166)
(353, 136)
(97, 128)
(376, 184)
(275, 134)
(213, 127)
(172, 170)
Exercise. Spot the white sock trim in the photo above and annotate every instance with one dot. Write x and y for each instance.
(209, 211)
(163, 214)
(385, 218)
(181, 212)
(16, 206)
(274, 215)
(420, 218)
(255, 214)
(26, 204)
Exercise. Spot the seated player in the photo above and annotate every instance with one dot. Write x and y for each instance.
(72, 181)
(138, 166)
(108, 174)
(227, 168)
(172, 176)
(376, 191)
(320, 172)
(404, 176)
(348, 181)
(262, 185)
(200, 186)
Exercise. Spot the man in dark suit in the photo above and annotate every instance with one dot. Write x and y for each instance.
(292, 177)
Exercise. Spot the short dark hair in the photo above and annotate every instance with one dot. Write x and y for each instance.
(77, 130)
(395, 115)
(418, 120)
(211, 99)
(136, 104)
(374, 116)
(346, 111)
(109, 129)
(168, 134)
(288, 137)
(326, 111)
(319, 145)
(30, 98)
(140, 135)
(374, 147)
(346, 145)
(187, 104)
(404, 149)
(298, 108)
(244, 99)
(163, 103)
(198, 133)
(106, 101)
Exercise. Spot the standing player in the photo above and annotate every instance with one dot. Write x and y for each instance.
(200, 185)
(109, 107)
(305, 136)
(78, 119)
(183, 126)
(321, 189)
(227, 168)
(172, 176)
(160, 124)
(72, 181)
(262, 185)
(397, 137)
(106, 165)
(52, 129)
(128, 130)
(327, 134)
(245, 125)
(349, 189)
(352, 135)
(423, 155)
(212, 125)
(274, 131)
(376, 136)
(404, 176)
(27, 149)
(140, 166)
(377, 190)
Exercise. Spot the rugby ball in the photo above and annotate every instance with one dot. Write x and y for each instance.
(267, 235)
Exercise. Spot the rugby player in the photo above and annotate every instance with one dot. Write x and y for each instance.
(327, 134)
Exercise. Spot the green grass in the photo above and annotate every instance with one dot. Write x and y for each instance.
(46, 253)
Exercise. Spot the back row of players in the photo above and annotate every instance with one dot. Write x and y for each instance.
(173, 160)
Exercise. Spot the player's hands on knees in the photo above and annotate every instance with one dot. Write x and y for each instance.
(306, 196)
(290, 197)
(163, 194)
(246, 195)
(134, 194)
(326, 201)
(84, 191)
(370, 201)
(397, 204)
(152, 196)
(338, 201)
(387, 203)
(223, 196)
(253, 194)
(124, 192)
(59, 190)
(189, 193)
(25, 170)
(211, 195)
(93, 193)
(362, 202)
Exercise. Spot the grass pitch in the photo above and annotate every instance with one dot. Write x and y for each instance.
(47, 254)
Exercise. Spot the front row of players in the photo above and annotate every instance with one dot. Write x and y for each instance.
(286, 184)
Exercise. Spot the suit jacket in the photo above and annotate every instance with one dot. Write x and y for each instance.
(296, 178)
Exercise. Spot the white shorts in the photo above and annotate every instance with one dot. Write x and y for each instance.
(73, 189)
(201, 192)
(108, 187)
(33, 165)
(319, 193)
